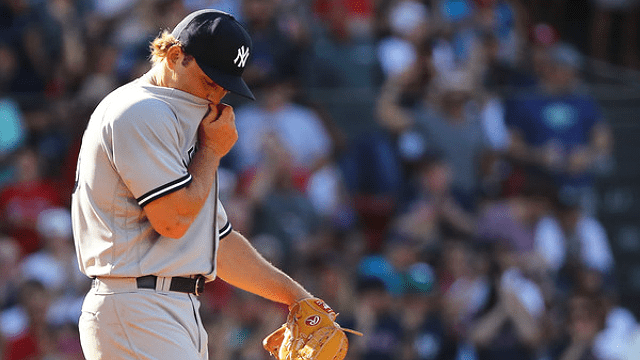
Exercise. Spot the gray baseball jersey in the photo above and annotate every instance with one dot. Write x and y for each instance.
(136, 148)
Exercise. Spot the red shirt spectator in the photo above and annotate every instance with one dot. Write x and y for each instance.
(22, 201)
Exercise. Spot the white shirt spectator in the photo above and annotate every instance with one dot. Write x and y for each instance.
(53, 273)
(55, 266)
(408, 21)
(13, 322)
(634, 345)
(612, 342)
(471, 293)
(492, 117)
(527, 291)
(395, 55)
(595, 253)
(299, 129)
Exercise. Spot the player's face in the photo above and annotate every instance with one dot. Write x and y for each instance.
(192, 79)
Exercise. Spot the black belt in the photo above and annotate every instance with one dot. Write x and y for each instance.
(180, 284)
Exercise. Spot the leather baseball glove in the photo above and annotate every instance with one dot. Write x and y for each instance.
(310, 333)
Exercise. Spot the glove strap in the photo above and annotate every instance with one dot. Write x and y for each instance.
(352, 331)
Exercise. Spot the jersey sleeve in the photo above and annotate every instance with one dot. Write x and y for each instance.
(145, 151)
(224, 227)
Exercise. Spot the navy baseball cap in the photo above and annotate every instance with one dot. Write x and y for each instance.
(220, 46)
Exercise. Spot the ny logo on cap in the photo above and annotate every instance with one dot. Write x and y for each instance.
(243, 55)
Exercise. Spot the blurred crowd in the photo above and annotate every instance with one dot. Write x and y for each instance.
(455, 221)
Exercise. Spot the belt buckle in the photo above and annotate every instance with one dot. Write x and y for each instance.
(199, 288)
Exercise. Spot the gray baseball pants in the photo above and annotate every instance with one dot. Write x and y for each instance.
(120, 321)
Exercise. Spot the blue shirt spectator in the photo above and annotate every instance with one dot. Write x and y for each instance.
(557, 128)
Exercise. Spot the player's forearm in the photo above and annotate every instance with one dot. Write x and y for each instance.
(240, 265)
(173, 214)
(203, 169)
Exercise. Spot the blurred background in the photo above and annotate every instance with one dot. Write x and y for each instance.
(457, 178)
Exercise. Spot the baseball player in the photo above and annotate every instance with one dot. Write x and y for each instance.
(148, 225)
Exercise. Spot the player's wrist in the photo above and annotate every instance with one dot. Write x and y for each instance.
(211, 152)
(304, 297)
(298, 297)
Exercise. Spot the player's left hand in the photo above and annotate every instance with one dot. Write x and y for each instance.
(310, 333)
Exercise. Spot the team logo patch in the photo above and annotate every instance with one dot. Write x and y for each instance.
(241, 58)
(312, 320)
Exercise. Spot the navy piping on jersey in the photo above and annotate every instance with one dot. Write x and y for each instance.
(164, 190)
(226, 230)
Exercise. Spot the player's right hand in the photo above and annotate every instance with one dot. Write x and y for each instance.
(217, 130)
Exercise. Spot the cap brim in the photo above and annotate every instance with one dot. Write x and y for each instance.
(232, 83)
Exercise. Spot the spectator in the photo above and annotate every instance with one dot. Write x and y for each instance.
(585, 319)
(241, 328)
(435, 214)
(497, 75)
(559, 128)
(35, 339)
(409, 25)
(9, 277)
(296, 141)
(427, 335)
(456, 44)
(611, 342)
(464, 281)
(35, 37)
(403, 91)
(56, 267)
(381, 326)
(336, 283)
(391, 267)
(12, 133)
(634, 346)
(279, 42)
(10, 74)
(505, 21)
(298, 129)
(373, 178)
(45, 134)
(102, 80)
(22, 201)
(74, 57)
(399, 146)
(543, 37)
(446, 125)
(451, 127)
(602, 31)
(346, 18)
(460, 80)
(509, 325)
(280, 208)
(573, 239)
(342, 61)
(513, 220)
(13, 127)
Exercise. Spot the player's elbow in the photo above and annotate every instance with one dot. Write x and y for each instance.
(169, 219)
(173, 227)
(169, 224)
(171, 231)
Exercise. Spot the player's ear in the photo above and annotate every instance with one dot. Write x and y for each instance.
(173, 56)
